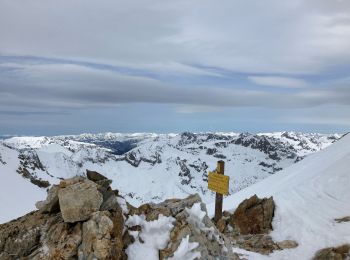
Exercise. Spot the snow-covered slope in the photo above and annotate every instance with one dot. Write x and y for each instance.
(309, 195)
(154, 167)
(17, 194)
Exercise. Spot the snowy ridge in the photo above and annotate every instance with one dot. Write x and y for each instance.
(309, 196)
(153, 167)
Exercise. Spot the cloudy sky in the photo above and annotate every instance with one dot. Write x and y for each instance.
(170, 66)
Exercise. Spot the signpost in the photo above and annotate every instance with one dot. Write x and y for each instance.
(219, 183)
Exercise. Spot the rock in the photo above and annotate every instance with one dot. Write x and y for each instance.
(200, 232)
(344, 219)
(177, 205)
(221, 225)
(287, 244)
(79, 200)
(110, 201)
(105, 183)
(61, 240)
(333, 253)
(102, 237)
(39, 236)
(79, 231)
(51, 203)
(254, 216)
(67, 182)
(259, 243)
(170, 207)
(24, 246)
(95, 176)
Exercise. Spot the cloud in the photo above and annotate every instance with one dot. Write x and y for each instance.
(190, 109)
(281, 82)
(192, 56)
(72, 86)
(293, 37)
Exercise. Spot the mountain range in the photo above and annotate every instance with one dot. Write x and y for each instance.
(148, 167)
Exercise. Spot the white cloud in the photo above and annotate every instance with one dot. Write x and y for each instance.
(188, 109)
(281, 82)
(272, 36)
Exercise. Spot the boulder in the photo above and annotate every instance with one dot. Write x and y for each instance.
(170, 207)
(95, 176)
(102, 236)
(79, 200)
(333, 253)
(60, 240)
(39, 236)
(67, 182)
(110, 201)
(51, 203)
(254, 216)
(194, 228)
(287, 244)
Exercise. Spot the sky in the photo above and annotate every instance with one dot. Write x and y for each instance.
(69, 67)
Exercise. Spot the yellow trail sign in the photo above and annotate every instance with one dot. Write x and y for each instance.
(218, 182)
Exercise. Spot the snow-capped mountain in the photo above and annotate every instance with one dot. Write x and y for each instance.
(311, 197)
(153, 167)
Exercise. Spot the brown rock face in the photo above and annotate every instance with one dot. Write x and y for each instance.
(51, 203)
(82, 230)
(199, 231)
(95, 176)
(254, 216)
(334, 253)
(102, 236)
(79, 200)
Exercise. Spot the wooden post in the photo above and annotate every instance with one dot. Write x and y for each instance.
(219, 197)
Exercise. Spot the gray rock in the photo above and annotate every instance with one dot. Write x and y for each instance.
(79, 200)
(95, 176)
(177, 205)
(211, 244)
(105, 183)
(344, 219)
(287, 244)
(51, 203)
(110, 201)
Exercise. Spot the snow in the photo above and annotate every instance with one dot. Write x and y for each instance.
(309, 195)
(196, 215)
(184, 251)
(122, 203)
(17, 194)
(155, 236)
(26, 142)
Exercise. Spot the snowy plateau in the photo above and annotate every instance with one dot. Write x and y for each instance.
(148, 167)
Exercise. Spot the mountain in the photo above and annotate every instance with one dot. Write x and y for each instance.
(312, 202)
(147, 167)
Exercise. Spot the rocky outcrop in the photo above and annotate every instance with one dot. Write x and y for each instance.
(192, 227)
(254, 216)
(102, 236)
(51, 203)
(83, 218)
(333, 253)
(249, 225)
(70, 224)
(79, 199)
